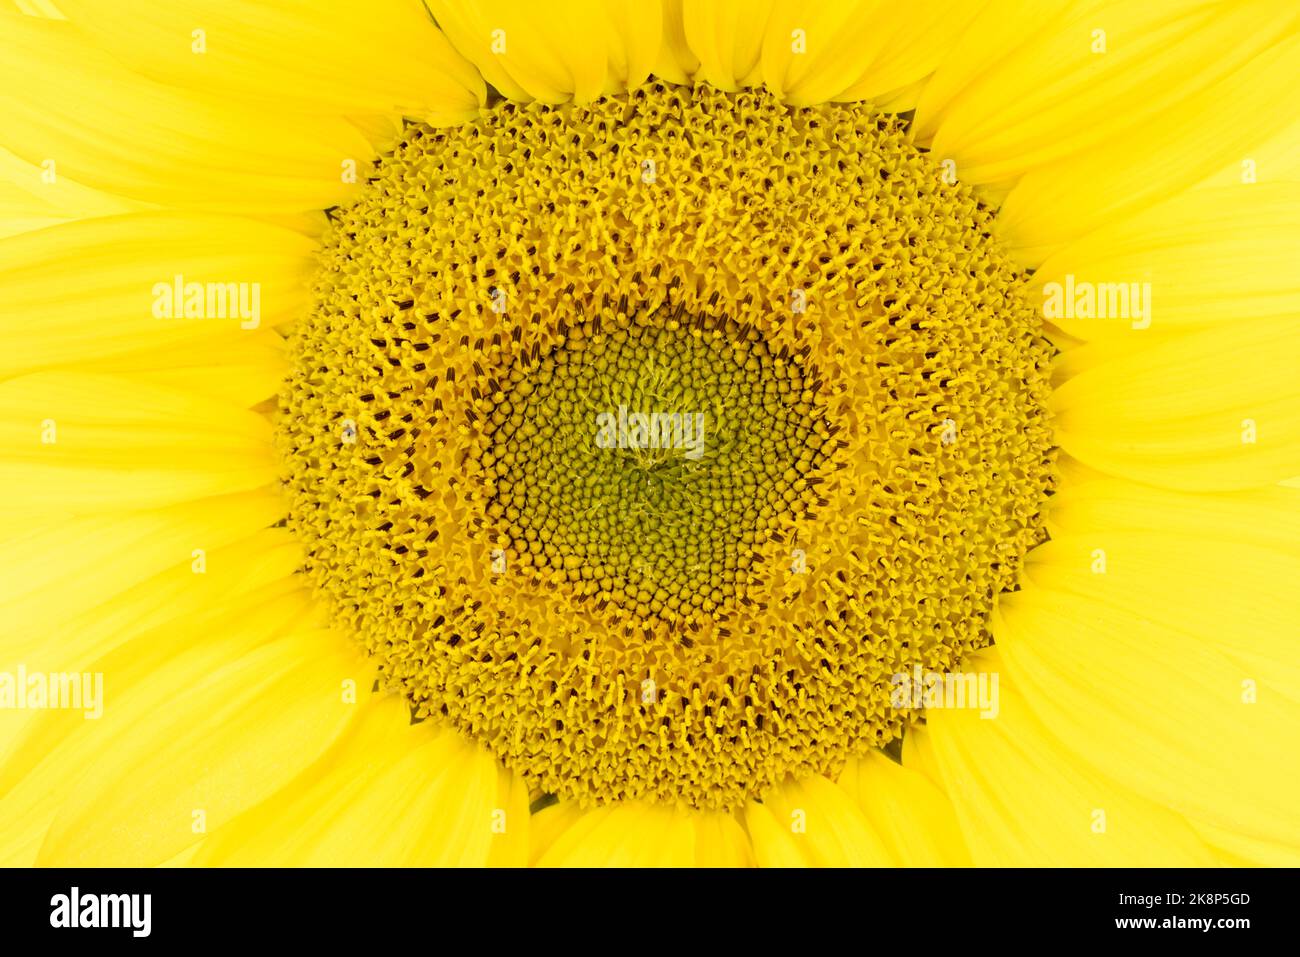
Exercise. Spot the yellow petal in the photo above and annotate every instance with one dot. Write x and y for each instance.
(895, 101)
(810, 55)
(209, 726)
(676, 63)
(96, 288)
(88, 442)
(1127, 567)
(1267, 517)
(546, 826)
(1256, 532)
(511, 840)
(1023, 799)
(635, 38)
(918, 756)
(1176, 148)
(1093, 74)
(913, 817)
(857, 49)
(819, 822)
(1275, 159)
(727, 37)
(564, 835)
(575, 50)
(630, 834)
(383, 131)
(720, 841)
(1238, 850)
(281, 604)
(85, 624)
(244, 370)
(1213, 409)
(774, 844)
(382, 56)
(60, 569)
(1000, 30)
(39, 8)
(34, 197)
(1207, 256)
(62, 99)
(388, 794)
(1158, 670)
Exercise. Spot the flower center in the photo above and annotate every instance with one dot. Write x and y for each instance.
(642, 460)
(645, 441)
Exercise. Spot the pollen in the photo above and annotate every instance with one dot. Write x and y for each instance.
(646, 441)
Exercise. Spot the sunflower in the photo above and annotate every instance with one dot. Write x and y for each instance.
(634, 433)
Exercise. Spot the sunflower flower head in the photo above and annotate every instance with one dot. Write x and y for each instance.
(618, 432)
(856, 379)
